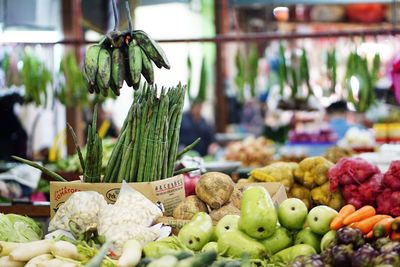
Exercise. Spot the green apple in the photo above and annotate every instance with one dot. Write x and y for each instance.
(210, 246)
(227, 223)
(292, 213)
(306, 236)
(319, 219)
(327, 239)
(280, 240)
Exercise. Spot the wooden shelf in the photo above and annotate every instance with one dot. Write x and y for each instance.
(34, 211)
(333, 26)
(306, 2)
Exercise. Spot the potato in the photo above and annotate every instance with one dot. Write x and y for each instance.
(214, 188)
(188, 207)
(236, 197)
(228, 209)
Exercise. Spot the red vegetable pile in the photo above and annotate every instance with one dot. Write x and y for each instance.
(388, 202)
(359, 180)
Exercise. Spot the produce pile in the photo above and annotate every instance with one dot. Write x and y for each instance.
(288, 236)
(251, 152)
(307, 180)
(265, 235)
(334, 154)
(362, 183)
(215, 194)
(359, 238)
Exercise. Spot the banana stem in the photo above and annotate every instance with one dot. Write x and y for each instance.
(115, 12)
(128, 14)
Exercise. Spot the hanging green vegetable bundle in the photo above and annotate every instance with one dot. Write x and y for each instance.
(361, 80)
(146, 149)
(122, 56)
(36, 77)
(73, 90)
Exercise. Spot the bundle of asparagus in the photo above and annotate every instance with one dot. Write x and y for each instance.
(92, 165)
(146, 149)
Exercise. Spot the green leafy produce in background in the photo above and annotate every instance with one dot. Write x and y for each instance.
(17, 228)
(357, 68)
(35, 77)
(73, 90)
(72, 164)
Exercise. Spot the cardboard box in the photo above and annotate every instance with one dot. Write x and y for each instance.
(276, 190)
(170, 192)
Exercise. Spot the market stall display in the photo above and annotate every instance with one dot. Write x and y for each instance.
(251, 152)
(139, 201)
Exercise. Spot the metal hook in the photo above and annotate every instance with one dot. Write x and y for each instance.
(115, 12)
(128, 14)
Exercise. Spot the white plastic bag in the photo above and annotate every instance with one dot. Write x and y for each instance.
(82, 207)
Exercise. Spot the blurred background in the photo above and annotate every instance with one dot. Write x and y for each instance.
(267, 80)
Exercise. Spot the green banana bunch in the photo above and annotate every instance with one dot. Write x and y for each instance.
(119, 57)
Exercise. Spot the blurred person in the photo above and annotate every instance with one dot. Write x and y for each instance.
(251, 117)
(338, 117)
(13, 137)
(194, 126)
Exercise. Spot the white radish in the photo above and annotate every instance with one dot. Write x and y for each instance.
(131, 254)
(165, 261)
(65, 249)
(36, 260)
(5, 261)
(56, 263)
(27, 251)
(7, 247)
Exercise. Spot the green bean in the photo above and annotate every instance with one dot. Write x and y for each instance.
(188, 148)
(46, 171)
(113, 158)
(185, 170)
(151, 144)
(140, 176)
(124, 166)
(78, 149)
(133, 171)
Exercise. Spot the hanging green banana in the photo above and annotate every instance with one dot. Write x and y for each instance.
(91, 63)
(147, 68)
(135, 61)
(152, 49)
(117, 71)
(104, 71)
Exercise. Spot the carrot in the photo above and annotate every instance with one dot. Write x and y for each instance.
(370, 234)
(383, 227)
(395, 236)
(396, 225)
(367, 224)
(360, 214)
(345, 211)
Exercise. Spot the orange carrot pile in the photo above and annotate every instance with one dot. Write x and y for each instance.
(344, 212)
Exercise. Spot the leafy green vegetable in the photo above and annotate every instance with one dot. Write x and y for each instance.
(73, 90)
(17, 228)
(202, 94)
(91, 256)
(240, 78)
(35, 77)
(282, 70)
(359, 75)
(253, 69)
